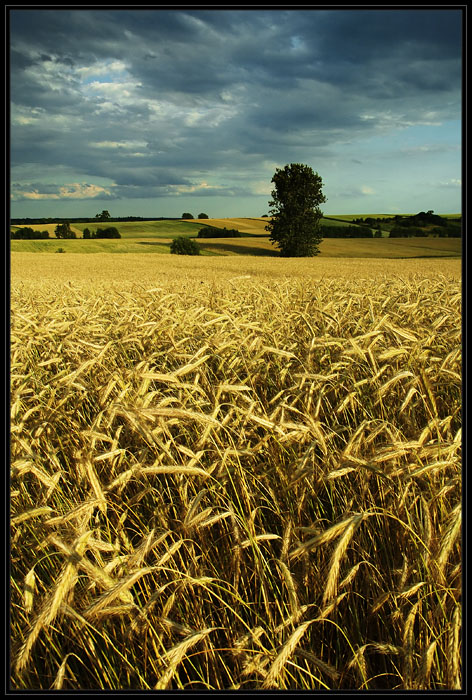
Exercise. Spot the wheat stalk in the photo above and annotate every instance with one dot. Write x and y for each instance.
(284, 654)
(176, 654)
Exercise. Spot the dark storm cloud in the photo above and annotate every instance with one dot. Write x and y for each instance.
(202, 51)
(157, 98)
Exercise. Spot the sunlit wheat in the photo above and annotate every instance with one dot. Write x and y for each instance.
(236, 478)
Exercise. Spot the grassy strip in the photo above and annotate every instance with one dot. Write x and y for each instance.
(333, 248)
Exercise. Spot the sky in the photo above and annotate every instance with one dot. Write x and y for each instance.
(156, 112)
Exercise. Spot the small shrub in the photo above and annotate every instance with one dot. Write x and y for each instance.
(184, 246)
(60, 250)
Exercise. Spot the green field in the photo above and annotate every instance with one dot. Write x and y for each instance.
(172, 228)
(155, 237)
(351, 217)
(124, 245)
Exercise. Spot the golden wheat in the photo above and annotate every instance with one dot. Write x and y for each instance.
(236, 481)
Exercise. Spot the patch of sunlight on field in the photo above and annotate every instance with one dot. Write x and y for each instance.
(92, 246)
(154, 229)
(164, 269)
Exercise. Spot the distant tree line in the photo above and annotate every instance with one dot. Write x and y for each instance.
(370, 221)
(212, 232)
(346, 232)
(63, 231)
(413, 231)
(409, 232)
(421, 219)
(421, 224)
(110, 232)
(28, 234)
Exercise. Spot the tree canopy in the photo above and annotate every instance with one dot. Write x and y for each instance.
(213, 232)
(64, 231)
(27, 233)
(104, 216)
(110, 232)
(295, 212)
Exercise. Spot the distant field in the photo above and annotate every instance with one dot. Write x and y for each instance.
(259, 246)
(119, 246)
(346, 247)
(128, 229)
(146, 229)
(332, 221)
(244, 225)
(171, 228)
(351, 217)
(163, 229)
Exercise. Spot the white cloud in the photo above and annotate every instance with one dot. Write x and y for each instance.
(453, 182)
(101, 69)
(76, 190)
(119, 144)
(182, 189)
(82, 191)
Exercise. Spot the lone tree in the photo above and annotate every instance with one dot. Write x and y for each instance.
(295, 212)
(104, 216)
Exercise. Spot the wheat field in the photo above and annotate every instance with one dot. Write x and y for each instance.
(234, 474)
